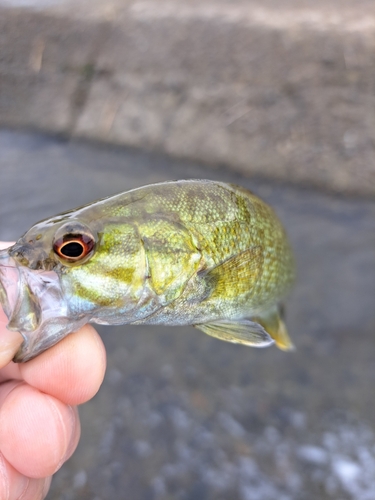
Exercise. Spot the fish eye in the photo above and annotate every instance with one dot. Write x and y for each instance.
(73, 247)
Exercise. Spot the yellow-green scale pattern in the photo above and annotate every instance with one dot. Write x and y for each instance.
(194, 248)
(182, 252)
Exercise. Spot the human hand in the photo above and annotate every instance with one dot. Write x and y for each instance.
(39, 423)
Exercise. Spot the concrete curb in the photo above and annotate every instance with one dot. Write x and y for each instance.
(283, 92)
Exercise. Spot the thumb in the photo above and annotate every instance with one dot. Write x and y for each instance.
(9, 341)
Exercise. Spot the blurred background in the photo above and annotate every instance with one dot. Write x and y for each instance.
(98, 97)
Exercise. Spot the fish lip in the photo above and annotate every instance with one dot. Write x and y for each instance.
(34, 302)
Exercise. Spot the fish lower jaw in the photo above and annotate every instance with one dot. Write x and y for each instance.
(35, 306)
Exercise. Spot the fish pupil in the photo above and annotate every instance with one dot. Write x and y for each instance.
(72, 249)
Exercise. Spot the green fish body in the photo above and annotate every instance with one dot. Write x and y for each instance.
(192, 252)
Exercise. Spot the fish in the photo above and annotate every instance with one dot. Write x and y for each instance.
(188, 252)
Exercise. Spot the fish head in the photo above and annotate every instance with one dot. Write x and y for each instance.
(67, 271)
(31, 288)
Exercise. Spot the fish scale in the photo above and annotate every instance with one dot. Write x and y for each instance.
(198, 252)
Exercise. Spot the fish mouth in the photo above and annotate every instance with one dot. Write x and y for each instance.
(35, 305)
(9, 276)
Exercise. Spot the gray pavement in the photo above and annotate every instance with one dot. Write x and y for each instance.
(282, 89)
(186, 417)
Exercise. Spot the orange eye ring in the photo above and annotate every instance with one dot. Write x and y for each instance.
(73, 247)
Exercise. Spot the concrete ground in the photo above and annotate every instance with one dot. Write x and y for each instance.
(182, 416)
(282, 89)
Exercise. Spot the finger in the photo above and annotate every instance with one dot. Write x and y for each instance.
(6, 388)
(6, 244)
(38, 433)
(14, 485)
(37, 489)
(72, 370)
(10, 372)
(9, 341)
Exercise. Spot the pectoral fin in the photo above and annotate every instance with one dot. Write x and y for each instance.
(235, 276)
(275, 326)
(244, 332)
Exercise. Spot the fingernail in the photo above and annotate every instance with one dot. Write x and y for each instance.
(21, 489)
(4, 478)
(47, 485)
(13, 484)
(75, 429)
(70, 430)
(36, 489)
(6, 244)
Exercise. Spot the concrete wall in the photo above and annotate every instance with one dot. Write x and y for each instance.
(279, 89)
